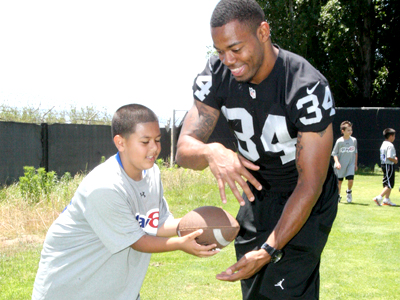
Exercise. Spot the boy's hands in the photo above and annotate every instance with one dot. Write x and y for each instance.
(190, 246)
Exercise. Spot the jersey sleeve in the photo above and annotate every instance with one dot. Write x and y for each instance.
(355, 145)
(312, 109)
(206, 84)
(335, 150)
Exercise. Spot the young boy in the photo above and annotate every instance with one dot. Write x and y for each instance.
(388, 160)
(100, 246)
(345, 155)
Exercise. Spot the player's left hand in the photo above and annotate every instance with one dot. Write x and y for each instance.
(247, 266)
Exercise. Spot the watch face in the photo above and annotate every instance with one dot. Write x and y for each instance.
(277, 256)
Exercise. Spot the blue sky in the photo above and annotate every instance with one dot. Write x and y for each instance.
(102, 53)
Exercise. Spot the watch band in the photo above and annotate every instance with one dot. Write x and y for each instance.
(275, 254)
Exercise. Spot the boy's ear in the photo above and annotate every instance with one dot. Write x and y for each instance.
(119, 142)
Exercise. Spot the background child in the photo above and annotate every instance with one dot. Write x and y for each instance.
(345, 155)
(388, 160)
(100, 246)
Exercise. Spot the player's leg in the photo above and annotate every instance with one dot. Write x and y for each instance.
(297, 273)
(389, 183)
(340, 181)
(350, 180)
(385, 182)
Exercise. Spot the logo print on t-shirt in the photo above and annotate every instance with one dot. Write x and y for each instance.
(142, 194)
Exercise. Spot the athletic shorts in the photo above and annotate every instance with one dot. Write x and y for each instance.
(388, 175)
(296, 275)
(350, 177)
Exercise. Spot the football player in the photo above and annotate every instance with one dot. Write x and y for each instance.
(280, 109)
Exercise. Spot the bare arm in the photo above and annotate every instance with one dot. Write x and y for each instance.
(168, 229)
(197, 128)
(312, 160)
(156, 244)
(337, 163)
(226, 165)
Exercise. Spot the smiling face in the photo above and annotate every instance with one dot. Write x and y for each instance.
(347, 132)
(140, 150)
(244, 52)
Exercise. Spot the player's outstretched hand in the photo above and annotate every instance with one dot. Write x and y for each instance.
(229, 167)
(247, 266)
(189, 245)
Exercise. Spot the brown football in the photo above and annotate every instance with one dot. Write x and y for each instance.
(219, 227)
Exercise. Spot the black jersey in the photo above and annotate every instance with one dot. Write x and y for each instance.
(266, 117)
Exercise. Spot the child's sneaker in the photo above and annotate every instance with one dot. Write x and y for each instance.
(377, 201)
(387, 201)
(349, 197)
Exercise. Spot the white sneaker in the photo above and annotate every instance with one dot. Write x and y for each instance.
(349, 197)
(387, 201)
(377, 201)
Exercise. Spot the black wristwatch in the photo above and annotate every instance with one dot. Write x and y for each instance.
(275, 254)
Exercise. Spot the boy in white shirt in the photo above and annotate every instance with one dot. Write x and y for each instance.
(100, 245)
(388, 160)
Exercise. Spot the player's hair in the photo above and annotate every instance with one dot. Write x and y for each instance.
(128, 116)
(247, 12)
(345, 124)
(388, 132)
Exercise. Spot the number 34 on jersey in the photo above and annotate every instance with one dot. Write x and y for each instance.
(275, 137)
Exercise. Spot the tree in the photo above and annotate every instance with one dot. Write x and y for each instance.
(349, 41)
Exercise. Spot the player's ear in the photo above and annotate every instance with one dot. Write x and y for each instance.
(119, 142)
(263, 32)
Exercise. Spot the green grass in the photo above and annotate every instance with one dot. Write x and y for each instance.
(360, 261)
(361, 258)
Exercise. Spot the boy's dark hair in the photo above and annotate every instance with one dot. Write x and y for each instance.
(128, 116)
(388, 132)
(247, 12)
(345, 124)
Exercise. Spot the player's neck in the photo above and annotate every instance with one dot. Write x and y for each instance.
(270, 54)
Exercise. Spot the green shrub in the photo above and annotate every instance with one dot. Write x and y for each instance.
(37, 183)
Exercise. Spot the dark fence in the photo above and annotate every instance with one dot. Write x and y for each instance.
(59, 147)
(76, 148)
(368, 126)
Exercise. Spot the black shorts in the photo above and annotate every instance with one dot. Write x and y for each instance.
(350, 177)
(388, 175)
(296, 275)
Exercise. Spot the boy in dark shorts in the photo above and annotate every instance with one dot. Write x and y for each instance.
(346, 156)
(388, 160)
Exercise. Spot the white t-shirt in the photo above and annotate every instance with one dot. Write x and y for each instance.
(87, 253)
(387, 150)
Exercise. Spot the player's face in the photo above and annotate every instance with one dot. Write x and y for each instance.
(141, 149)
(240, 50)
(348, 132)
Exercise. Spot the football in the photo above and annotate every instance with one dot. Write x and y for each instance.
(219, 227)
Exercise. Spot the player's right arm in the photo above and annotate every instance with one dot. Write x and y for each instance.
(337, 163)
(188, 244)
(192, 150)
(227, 166)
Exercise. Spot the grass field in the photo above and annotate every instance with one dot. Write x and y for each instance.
(360, 261)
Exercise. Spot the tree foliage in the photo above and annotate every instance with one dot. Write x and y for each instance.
(349, 41)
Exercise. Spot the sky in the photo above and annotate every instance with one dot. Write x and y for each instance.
(103, 54)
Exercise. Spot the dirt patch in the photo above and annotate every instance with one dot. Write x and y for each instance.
(24, 239)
